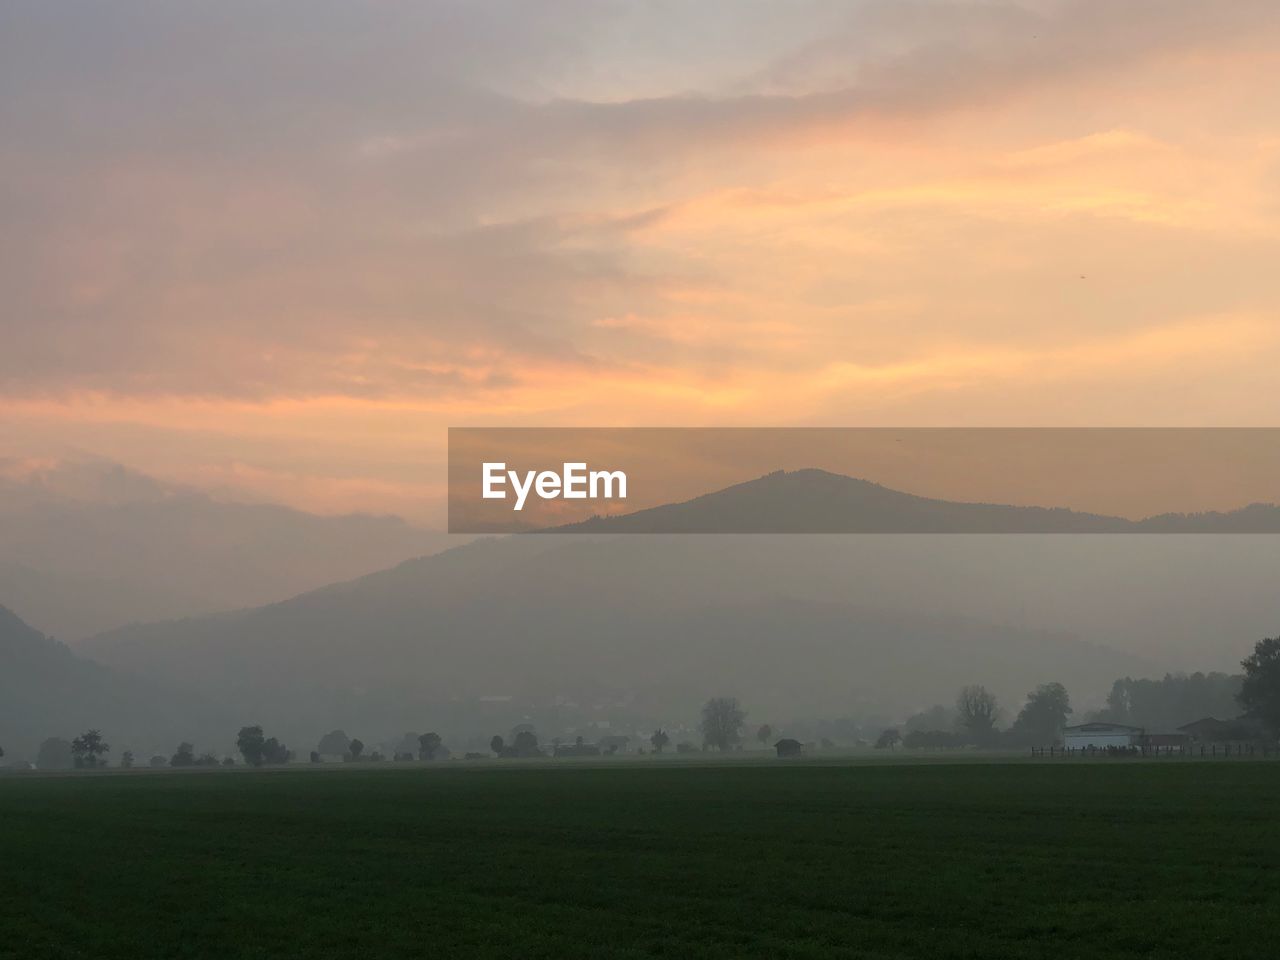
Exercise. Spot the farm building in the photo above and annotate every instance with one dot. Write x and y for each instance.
(787, 747)
(1213, 730)
(1101, 736)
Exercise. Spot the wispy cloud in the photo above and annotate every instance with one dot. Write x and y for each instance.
(236, 235)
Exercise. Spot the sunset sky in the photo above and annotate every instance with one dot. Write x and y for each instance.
(274, 251)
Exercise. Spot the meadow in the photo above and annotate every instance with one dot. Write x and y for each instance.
(1108, 858)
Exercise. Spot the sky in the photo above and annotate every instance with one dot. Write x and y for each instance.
(275, 251)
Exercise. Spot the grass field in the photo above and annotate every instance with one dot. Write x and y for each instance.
(1100, 859)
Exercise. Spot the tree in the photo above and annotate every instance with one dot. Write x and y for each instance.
(126, 759)
(276, 753)
(659, 739)
(356, 748)
(88, 749)
(428, 744)
(888, 739)
(497, 744)
(1045, 713)
(1260, 692)
(335, 742)
(250, 743)
(978, 711)
(526, 744)
(54, 754)
(935, 718)
(185, 757)
(722, 721)
(765, 733)
(1173, 700)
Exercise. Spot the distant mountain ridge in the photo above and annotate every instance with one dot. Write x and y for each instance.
(85, 547)
(818, 501)
(617, 628)
(48, 690)
(573, 629)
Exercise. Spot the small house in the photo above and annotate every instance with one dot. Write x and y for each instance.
(788, 748)
(1101, 736)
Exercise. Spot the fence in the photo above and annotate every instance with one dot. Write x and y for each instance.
(1208, 751)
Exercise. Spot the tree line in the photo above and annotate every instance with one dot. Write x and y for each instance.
(975, 717)
(1166, 703)
(972, 720)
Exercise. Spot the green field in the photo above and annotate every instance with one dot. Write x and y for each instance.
(1093, 859)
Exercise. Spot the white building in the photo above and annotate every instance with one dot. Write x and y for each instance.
(1100, 736)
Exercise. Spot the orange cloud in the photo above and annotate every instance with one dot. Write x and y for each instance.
(983, 215)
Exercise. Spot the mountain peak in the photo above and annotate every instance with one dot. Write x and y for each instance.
(812, 500)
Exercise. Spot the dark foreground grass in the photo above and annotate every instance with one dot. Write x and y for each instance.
(1105, 859)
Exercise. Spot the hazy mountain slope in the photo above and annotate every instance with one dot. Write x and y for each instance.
(817, 501)
(93, 547)
(47, 690)
(646, 627)
(78, 605)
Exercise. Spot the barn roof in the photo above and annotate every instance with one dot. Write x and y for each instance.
(1100, 727)
(1204, 723)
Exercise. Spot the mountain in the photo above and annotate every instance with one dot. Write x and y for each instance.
(47, 690)
(817, 501)
(92, 546)
(565, 630)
